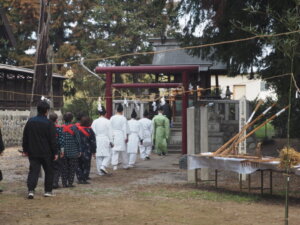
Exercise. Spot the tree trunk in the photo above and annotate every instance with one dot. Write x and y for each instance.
(39, 76)
(49, 86)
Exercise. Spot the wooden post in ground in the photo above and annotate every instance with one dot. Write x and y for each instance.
(108, 95)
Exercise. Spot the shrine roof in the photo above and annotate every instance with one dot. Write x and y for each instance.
(22, 70)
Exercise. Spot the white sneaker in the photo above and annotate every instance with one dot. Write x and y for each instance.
(115, 168)
(130, 166)
(103, 170)
(30, 195)
(49, 194)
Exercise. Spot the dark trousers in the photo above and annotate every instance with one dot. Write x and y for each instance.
(34, 171)
(83, 169)
(68, 170)
(89, 167)
(57, 167)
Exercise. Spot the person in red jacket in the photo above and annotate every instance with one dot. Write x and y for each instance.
(72, 150)
(57, 165)
(88, 147)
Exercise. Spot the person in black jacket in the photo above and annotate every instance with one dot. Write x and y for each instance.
(167, 110)
(39, 144)
(1, 151)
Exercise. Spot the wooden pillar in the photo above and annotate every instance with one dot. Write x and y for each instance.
(185, 83)
(108, 94)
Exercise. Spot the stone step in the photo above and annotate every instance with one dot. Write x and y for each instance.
(174, 151)
(176, 129)
(174, 148)
(177, 119)
(174, 145)
(176, 133)
(177, 124)
(175, 140)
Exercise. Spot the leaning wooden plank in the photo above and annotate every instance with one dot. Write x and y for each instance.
(257, 128)
(223, 147)
(233, 147)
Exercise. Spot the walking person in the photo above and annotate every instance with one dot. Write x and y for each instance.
(72, 150)
(120, 131)
(103, 132)
(161, 127)
(1, 152)
(39, 144)
(78, 120)
(57, 164)
(88, 147)
(146, 146)
(167, 110)
(135, 138)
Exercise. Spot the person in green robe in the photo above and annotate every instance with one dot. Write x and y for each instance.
(161, 128)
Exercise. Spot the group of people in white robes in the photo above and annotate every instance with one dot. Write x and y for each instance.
(119, 140)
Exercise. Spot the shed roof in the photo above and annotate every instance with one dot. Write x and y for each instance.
(21, 70)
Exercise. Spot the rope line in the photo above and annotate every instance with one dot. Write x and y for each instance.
(167, 93)
(169, 50)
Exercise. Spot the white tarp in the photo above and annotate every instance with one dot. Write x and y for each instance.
(232, 164)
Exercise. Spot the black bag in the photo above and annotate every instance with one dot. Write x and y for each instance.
(1, 176)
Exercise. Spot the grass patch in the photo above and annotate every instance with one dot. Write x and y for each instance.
(201, 194)
(266, 131)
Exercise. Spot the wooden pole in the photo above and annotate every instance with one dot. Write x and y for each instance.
(185, 99)
(108, 95)
(223, 147)
(254, 130)
(185, 83)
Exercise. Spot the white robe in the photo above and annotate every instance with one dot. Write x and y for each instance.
(103, 132)
(147, 128)
(135, 135)
(120, 131)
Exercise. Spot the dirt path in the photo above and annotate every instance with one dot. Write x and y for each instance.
(155, 192)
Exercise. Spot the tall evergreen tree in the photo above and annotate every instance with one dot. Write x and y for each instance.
(223, 20)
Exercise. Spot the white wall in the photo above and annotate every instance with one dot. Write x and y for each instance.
(253, 87)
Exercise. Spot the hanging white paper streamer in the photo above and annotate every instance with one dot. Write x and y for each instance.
(136, 105)
(43, 98)
(125, 102)
(154, 106)
(162, 101)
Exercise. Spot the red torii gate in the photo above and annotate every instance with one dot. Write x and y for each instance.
(184, 70)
